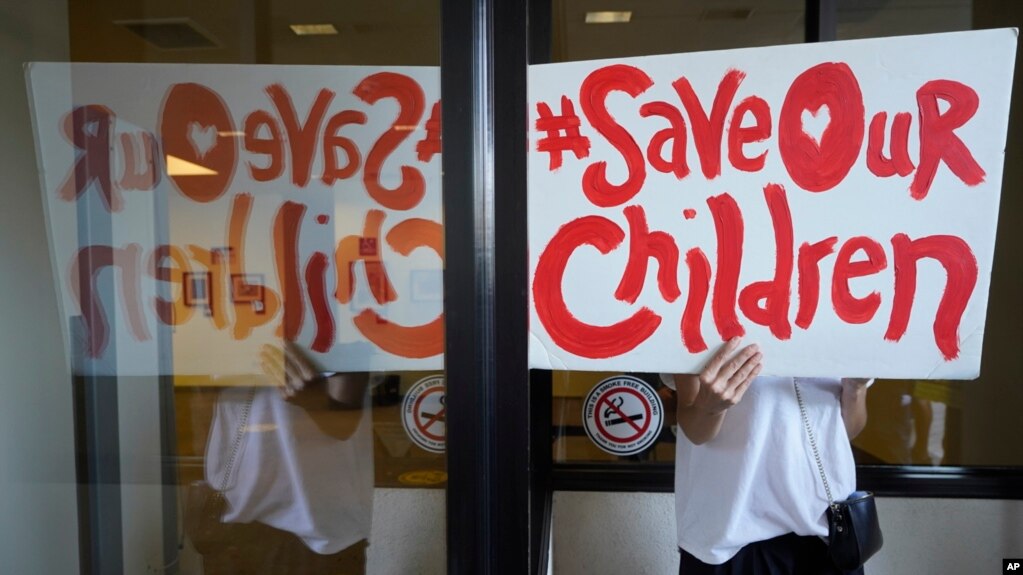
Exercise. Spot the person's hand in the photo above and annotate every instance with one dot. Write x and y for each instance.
(854, 404)
(855, 384)
(300, 381)
(288, 368)
(723, 381)
(334, 402)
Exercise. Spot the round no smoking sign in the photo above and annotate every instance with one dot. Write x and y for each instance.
(622, 415)
(423, 413)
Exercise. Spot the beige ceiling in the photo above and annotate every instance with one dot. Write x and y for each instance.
(673, 26)
(406, 32)
(395, 32)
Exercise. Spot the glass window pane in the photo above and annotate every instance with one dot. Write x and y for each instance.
(233, 277)
(651, 29)
(971, 423)
(920, 422)
(879, 18)
(673, 27)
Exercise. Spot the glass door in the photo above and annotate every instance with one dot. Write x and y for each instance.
(223, 249)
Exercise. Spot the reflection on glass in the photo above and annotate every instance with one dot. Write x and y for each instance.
(200, 208)
(912, 422)
(880, 18)
(672, 28)
(267, 240)
(289, 474)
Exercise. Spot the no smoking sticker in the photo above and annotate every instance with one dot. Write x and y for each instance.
(622, 415)
(423, 413)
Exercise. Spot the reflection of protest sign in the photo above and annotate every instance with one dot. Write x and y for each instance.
(423, 412)
(222, 207)
(835, 203)
(622, 415)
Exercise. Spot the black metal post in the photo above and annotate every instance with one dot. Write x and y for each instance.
(540, 382)
(821, 20)
(484, 54)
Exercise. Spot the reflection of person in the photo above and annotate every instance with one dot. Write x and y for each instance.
(748, 494)
(902, 433)
(292, 470)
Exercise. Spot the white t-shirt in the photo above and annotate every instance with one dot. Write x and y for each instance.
(758, 479)
(290, 475)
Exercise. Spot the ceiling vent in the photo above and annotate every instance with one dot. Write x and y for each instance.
(170, 33)
(727, 14)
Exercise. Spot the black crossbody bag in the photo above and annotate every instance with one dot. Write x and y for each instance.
(854, 534)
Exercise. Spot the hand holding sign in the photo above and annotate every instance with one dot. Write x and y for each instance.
(302, 383)
(288, 368)
(854, 404)
(704, 398)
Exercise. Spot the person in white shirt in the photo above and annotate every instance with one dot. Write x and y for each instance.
(289, 470)
(748, 494)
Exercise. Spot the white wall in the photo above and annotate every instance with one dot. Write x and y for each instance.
(409, 532)
(597, 533)
(38, 518)
(408, 535)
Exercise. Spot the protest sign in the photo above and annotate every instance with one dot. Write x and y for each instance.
(835, 203)
(198, 212)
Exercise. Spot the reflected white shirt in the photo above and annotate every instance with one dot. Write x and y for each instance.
(290, 475)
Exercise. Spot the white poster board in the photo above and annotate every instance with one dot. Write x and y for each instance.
(197, 212)
(835, 203)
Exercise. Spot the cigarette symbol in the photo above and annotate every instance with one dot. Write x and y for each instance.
(613, 409)
(433, 416)
(439, 416)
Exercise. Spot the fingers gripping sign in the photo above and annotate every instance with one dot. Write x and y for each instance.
(725, 378)
(288, 368)
(704, 398)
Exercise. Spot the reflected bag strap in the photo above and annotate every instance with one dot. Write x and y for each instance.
(236, 446)
(204, 505)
